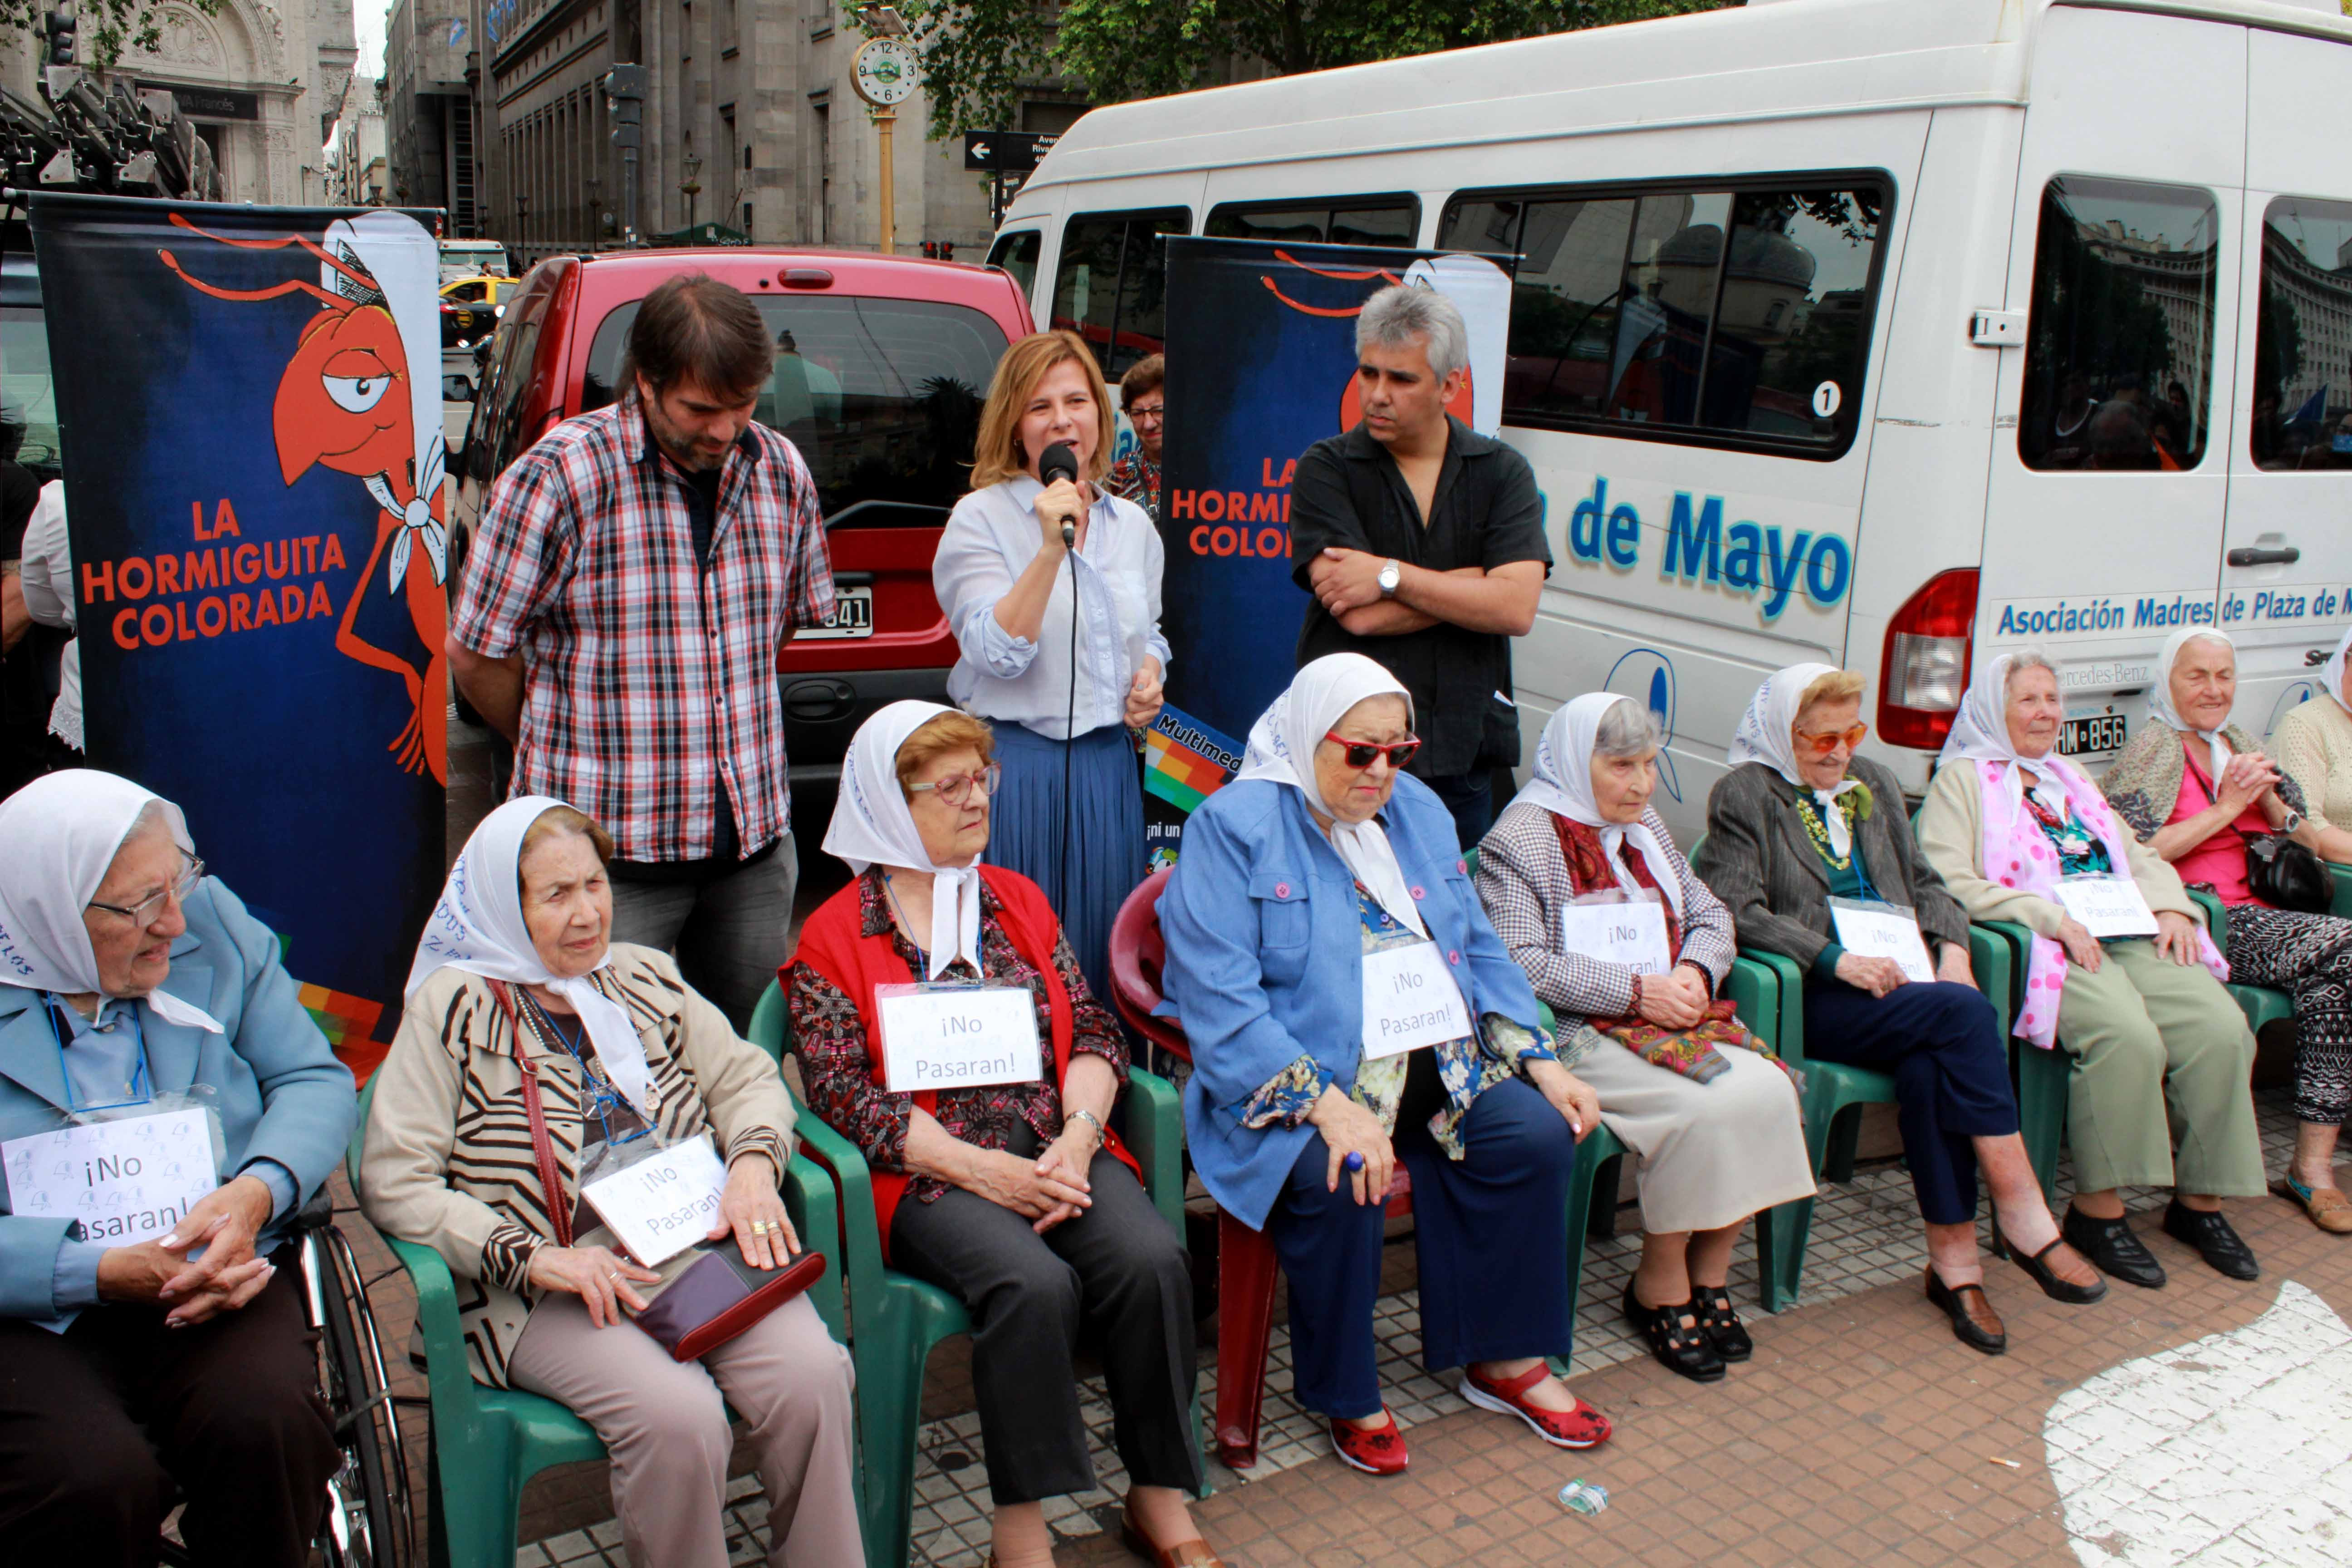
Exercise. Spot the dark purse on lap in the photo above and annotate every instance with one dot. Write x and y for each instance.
(2283, 873)
(719, 1296)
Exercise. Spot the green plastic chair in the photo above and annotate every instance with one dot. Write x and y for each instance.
(895, 1319)
(2343, 875)
(2041, 1078)
(2260, 1004)
(487, 1442)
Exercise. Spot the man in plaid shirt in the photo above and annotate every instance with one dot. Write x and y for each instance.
(634, 578)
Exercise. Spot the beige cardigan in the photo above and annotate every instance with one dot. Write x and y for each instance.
(1951, 832)
(447, 1161)
(2313, 746)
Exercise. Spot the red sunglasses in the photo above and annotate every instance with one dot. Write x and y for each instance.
(1359, 754)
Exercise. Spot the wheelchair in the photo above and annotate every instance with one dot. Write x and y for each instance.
(366, 1516)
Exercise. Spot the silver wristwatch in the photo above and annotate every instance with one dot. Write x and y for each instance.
(2294, 820)
(1091, 1119)
(1391, 574)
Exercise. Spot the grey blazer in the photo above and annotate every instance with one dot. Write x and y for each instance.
(1759, 862)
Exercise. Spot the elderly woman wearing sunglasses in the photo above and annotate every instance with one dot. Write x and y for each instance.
(1349, 1006)
(1801, 834)
(1004, 1186)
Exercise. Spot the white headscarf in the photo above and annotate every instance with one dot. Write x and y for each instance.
(2160, 696)
(1286, 733)
(478, 927)
(1563, 785)
(2331, 674)
(872, 826)
(59, 836)
(1981, 734)
(1763, 736)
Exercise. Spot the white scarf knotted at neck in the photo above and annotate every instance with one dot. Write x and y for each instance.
(477, 926)
(2159, 698)
(59, 837)
(872, 826)
(1563, 784)
(1282, 750)
(2331, 674)
(418, 522)
(1765, 736)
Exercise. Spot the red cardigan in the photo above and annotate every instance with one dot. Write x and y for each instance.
(833, 943)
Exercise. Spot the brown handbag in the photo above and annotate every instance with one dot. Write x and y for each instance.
(718, 1296)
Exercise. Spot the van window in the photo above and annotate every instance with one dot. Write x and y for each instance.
(1725, 317)
(881, 397)
(1339, 220)
(1110, 286)
(2303, 343)
(1016, 251)
(2119, 336)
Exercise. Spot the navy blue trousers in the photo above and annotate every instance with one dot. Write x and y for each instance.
(1491, 1229)
(1942, 1043)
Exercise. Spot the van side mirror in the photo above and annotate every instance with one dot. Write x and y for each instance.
(456, 389)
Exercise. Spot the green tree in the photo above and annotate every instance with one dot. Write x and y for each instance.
(977, 54)
(107, 27)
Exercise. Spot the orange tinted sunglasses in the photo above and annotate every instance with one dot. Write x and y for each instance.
(1823, 745)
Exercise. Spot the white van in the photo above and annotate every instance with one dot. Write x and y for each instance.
(2033, 323)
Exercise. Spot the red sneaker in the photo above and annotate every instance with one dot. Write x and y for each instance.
(1376, 1451)
(1583, 1427)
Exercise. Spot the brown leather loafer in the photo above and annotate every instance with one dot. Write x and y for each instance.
(1193, 1554)
(1974, 1323)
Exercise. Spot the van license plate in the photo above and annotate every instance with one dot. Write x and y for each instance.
(852, 615)
(2094, 736)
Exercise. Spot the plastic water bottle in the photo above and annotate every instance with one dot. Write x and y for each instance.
(1580, 1496)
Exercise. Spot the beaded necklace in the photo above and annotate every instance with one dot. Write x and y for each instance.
(1818, 831)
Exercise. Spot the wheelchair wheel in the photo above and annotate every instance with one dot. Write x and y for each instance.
(369, 1518)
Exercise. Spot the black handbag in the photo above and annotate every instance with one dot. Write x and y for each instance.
(2284, 874)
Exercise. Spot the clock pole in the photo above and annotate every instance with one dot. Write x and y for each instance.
(885, 120)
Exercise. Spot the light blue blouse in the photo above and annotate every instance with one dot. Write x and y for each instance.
(990, 538)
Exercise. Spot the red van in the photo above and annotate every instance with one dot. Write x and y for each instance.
(883, 365)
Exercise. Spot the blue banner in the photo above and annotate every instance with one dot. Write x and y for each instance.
(251, 408)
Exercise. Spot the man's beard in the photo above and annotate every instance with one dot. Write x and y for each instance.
(678, 445)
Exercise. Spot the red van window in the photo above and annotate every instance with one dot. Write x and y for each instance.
(881, 397)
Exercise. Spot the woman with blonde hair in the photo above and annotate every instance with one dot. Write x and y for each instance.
(1052, 592)
(1802, 825)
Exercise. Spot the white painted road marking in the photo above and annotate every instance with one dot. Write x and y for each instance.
(2235, 1450)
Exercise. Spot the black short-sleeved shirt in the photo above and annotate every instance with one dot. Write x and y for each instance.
(1487, 512)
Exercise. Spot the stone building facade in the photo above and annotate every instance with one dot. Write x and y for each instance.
(429, 115)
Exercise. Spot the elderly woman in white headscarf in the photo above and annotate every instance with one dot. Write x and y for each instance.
(2313, 745)
(2195, 788)
(996, 1175)
(1716, 1125)
(133, 986)
(517, 981)
(1349, 1006)
(1802, 825)
(2156, 1049)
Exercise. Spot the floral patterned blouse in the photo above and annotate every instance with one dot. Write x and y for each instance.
(2079, 851)
(829, 1034)
(1467, 1068)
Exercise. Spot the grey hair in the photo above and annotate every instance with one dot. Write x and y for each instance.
(1627, 730)
(2025, 658)
(1400, 314)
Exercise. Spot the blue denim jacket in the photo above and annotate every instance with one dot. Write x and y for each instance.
(283, 1096)
(1266, 964)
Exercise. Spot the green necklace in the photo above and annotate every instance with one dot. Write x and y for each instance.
(1818, 831)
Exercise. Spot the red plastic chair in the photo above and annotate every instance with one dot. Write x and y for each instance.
(1246, 1267)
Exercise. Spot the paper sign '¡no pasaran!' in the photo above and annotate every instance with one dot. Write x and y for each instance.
(958, 1037)
(119, 1181)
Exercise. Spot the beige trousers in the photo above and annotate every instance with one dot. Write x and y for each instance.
(1712, 1153)
(666, 1429)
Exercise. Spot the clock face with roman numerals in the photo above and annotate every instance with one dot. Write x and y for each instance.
(885, 72)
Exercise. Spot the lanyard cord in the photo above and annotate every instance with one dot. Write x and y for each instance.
(907, 922)
(142, 1084)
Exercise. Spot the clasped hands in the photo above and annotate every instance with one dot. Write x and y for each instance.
(224, 1222)
(1044, 1191)
(1880, 975)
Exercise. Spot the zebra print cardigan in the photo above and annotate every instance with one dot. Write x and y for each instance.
(448, 1159)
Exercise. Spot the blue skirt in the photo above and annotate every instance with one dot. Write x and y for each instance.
(1087, 856)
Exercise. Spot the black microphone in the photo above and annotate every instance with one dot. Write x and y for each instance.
(1060, 461)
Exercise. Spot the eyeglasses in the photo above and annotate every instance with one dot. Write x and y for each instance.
(1359, 754)
(957, 789)
(1138, 415)
(145, 911)
(1823, 745)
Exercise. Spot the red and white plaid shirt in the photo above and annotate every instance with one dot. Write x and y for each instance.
(647, 681)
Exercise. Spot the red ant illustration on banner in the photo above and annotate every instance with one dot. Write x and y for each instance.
(1352, 407)
(349, 401)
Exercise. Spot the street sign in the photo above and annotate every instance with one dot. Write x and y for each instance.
(1005, 151)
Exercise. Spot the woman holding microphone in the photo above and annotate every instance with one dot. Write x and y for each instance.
(1051, 585)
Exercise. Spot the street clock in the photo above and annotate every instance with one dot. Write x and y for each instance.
(884, 72)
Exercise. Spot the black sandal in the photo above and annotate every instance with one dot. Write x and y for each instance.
(1687, 1350)
(2037, 1268)
(1720, 1323)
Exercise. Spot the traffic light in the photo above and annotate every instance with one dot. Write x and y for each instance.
(625, 87)
(947, 250)
(60, 24)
